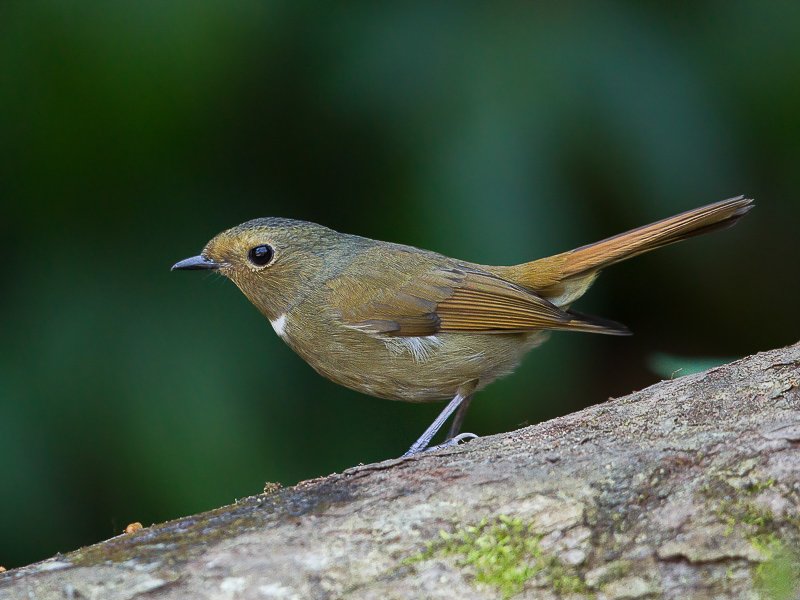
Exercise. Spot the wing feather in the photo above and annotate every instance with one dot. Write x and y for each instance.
(452, 299)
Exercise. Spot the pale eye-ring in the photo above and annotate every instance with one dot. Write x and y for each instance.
(260, 255)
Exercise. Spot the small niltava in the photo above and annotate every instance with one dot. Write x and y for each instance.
(401, 323)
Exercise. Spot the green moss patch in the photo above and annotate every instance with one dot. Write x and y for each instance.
(779, 577)
(504, 554)
(778, 540)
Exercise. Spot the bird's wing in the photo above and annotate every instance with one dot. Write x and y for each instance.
(457, 299)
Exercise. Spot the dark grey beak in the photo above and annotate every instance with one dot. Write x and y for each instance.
(196, 263)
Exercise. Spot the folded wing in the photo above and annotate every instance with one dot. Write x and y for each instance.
(457, 299)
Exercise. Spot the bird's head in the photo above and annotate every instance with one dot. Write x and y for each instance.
(274, 261)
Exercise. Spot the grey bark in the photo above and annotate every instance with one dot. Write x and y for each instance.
(687, 489)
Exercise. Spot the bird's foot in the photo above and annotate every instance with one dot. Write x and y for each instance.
(454, 441)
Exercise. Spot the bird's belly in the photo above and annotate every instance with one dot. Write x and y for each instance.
(410, 369)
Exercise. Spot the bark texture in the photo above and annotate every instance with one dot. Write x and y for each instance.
(687, 489)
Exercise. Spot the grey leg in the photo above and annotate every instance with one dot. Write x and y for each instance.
(458, 418)
(426, 437)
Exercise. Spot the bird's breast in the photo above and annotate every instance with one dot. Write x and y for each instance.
(411, 369)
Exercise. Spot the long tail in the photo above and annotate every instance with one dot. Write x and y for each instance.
(565, 277)
(705, 219)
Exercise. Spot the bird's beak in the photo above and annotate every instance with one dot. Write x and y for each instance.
(196, 263)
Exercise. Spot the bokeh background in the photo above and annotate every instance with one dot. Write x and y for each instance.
(133, 131)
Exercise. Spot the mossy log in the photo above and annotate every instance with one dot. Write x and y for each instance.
(687, 489)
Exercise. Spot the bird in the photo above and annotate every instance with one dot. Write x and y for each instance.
(402, 323)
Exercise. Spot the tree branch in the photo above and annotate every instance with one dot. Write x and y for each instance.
(688, 488)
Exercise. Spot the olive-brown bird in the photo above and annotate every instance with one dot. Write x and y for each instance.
(406, 324)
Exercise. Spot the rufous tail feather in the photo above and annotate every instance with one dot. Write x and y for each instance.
(705, 219)
(565, 277)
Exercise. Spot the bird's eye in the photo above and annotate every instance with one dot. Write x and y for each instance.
(260, 255)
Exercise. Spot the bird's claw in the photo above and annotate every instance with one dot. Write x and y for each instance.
(455, 441)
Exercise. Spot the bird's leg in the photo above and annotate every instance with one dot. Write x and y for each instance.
(426, 437)
(458, 418)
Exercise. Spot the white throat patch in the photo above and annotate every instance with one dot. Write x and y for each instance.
(279, 324)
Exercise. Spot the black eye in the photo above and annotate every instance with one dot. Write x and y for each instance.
(260, 255)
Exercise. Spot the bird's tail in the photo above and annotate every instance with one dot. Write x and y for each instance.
(564, 278)
(705, 219)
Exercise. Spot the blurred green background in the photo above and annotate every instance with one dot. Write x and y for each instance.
(132, 132)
